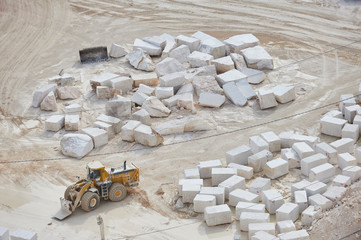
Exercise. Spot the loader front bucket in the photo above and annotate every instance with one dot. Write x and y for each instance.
(65, 210)
(94, 54)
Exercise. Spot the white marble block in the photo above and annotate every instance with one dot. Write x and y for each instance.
(354, 172)
(146, 136)
(127, 132)
(175, 79)
(246, 89)
(243, 171)
(221, 174)
(146, 89)
(192, 173)
(249, 207)
(238, 42)
(310, 214)
(164, 92)
(321, 201)
(323, 173)
(357, 121)
(205, 168)
(276, 168)
(149, 79)
(232, 183)
(54, 123)
(259, 160)
(182, 182)
(252, 217)
(223, 64)
(210, 45)
(257, 144)
(258, 58)
(167, 66)
(123, 83)
(239, 155)
(230, 76)
(288, 211)
(191, 42)
(180, 53)
(4, 233)
(41, 93)
(350, 112)
(199, 59)
(216, 215)
(285, 226)
(200, 202)
(149, 48)
(259, 185)
(351, 131)
(20, 234)
(239, 195)
(71, 122)
(301, 200)
(335, 193)
(345, 101)
(312, 161)
(299, 186)
(343, 145)
(328, 151)
(292, 157)
(272, 199)
(234, 94)
(253, 76)
(295, 235)
(332, 126)
(189, 192)
(267, 99)
(142, 116)
(302, 149)
(119, 107)
(261, 235)
(99, 136)
(117, 51)
(284, 94)
(346, 160)
(341, 181)
(256, 227)
(211, 100)
(273, 140)
(218, 192)
(113, 121)
(316, 187)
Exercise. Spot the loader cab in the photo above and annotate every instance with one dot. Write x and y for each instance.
(95, 171)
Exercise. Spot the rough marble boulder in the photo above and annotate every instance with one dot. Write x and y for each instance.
(258, 58)
(76, 145)
(41, 93)
(145, 135)
(147, 47)
(155, 107)
(117, 51)
(49, 102)
(140, 60)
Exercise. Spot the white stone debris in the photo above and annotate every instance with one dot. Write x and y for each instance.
(20, 234)
(343, 145)
(140, 60)
(192, 173)
(145, 135)
(68, 92)
(180, 53)
(119, 107)
(182, 182)
(249, 207)
(240, 195)
(54, 123)
(242, 170)
(239, 61)
(206, 84)
(99, 136)
(239, 155)
(234, 94)
(346, 160)
(276, 168)
(41, 93)
(139, 98)
(218, 192)
(147, 47)
(103, 79)
(199, 59)
(117, 51)
(252, 217)
(341, 181)
(267, 99)
(168, 65)
(239, 42)
(49, 102)
(149, 79)
(316, 187)
(272, 199)
(284, 94)
(257, 144)
(230, 76)
(351, 131)
(210, 45)
(205, 168)
(265, 227)
(156, 40)
(323, 173)
(258, 161)
(200, 202)
(310, 214)
(335, 193)
(312, 161)
(246, 89)
(221, 174)
(76, 145)
(216, 215)
(288, 211)
(327, 150)
(191, 42)
(71, 122)
(291, 156)
(127, 132)
(232, 183)
(223, 64)
(258, 58)
(321, 201)
(303, 150)
(113, 121)
(211, 100)
(285, 226)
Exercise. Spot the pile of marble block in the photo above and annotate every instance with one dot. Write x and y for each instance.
(17, 235)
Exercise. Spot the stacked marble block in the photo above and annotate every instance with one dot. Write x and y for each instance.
(70, 121)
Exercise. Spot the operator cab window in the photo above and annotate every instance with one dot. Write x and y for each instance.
(93, 174)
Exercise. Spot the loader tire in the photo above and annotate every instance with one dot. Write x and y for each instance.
(90, 201)
(67, 192)
(117, 192)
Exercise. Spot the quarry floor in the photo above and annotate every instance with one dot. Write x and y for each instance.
(316, 47)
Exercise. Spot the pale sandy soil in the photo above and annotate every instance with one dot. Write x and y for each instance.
(39, 39)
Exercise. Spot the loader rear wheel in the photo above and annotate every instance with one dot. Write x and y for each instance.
(117, 192)
(90, 201)
(67, 192)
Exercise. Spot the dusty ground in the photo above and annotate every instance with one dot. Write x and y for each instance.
(39, 39)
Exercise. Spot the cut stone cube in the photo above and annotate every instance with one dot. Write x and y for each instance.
(319, 200)
(127, 133)
(334, 113)
(272, 199)
(139, 98)
(315, 187)
(249, 207)
(273, 141)
(54, 123)
(180, 53)
(350, 131)
(146, 136)
(259, 185)
(240, 195)
(145, 89)
(357, 121)
(119, 107)
(175, 80)
(239, 42)
(210, 45)
(149, 79)
(168, 65)
(341, 181)
(253, 76)
(140, 60)
(335, 193)
(323, 173)
(117, 51)
(327, 150)
(105, 126)
(199, 59)
(142, 116)
(286, 139)
(216, 215)
(238, 155)
(103, 79)
(285, 226)
(149, 48)
(246, 89)
(276, 168)
(211, 100)
(267, 99)
(232, 183)
(41, 93)
(303, 150)
(310, 214)
(354, 172)
(123, 83)
(257, 144)
(292, 157)
(312, 161)
(99, 136)
(71, 122)
(243, 171)
(332, 126)
(185, 101)
(284, 94)
(155, 107)
(234, 94)
(192, 173)
(252, 217)
(259, 160)
(301, 185)
(295, 235)
(206, 84)
(350, 112)
(261, 235)
(205, 167)
(192, 43)
(288, 211)
(223, 64)
(345, 101)
(221, 174)
(310, 140)
(73, 109)
(256, 227)
(181, 182)
(156, 40)
(218, 192)
(200, 202)
(258, 58)
(20, 234)
(115, 122)
(230, 76)
(346, 160)
(4, 233)
(343, 145)
(164, 92)
(189, 192)
(301, 200)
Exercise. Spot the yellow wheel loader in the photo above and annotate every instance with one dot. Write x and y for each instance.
(100, 183)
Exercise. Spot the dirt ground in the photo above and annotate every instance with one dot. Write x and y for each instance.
(316, 47)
